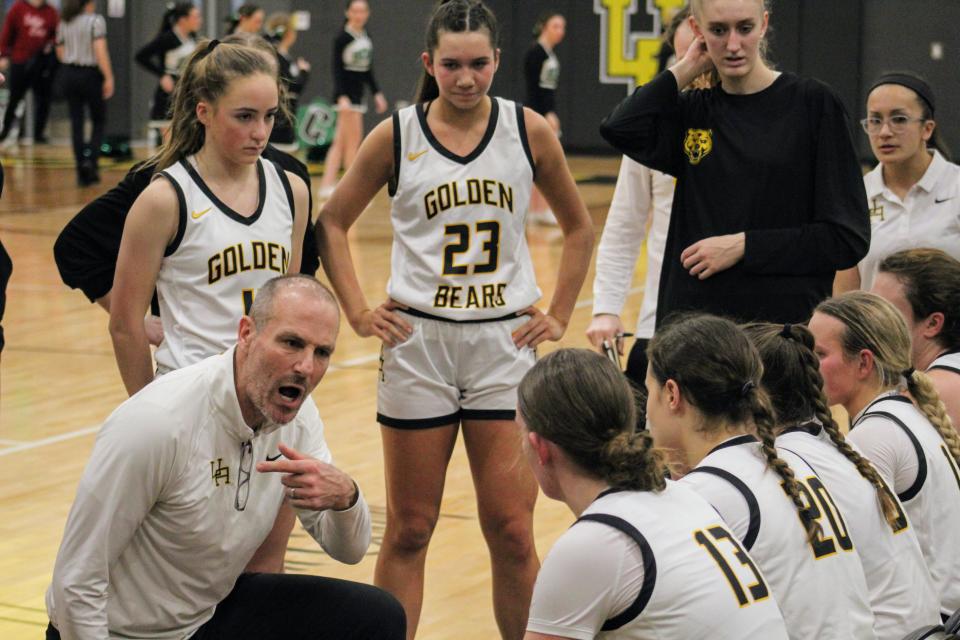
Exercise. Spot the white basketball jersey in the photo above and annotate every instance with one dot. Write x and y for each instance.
(698, 581)
(902, 594)
(550, 71)
(174, 60)
(459, 248)
(949, 361)
(358, 55)
(820, 585)
(213, 268)
(932, 502)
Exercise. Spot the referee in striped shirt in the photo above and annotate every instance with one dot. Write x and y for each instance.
(87, 80)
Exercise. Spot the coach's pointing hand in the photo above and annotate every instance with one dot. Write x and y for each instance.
(312, 484)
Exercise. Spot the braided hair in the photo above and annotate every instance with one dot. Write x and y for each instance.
(719, 372)
(454, 16)
(871, 323)
(791, 375)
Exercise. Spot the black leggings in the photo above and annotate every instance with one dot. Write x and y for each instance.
(36, 74)
(273, 606)
(84, 88)
(637, 362)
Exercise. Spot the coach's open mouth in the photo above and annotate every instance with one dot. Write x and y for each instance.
(291, 392)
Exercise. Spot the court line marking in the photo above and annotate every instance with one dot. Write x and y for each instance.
(5, 441)
(30, 622)
(4, 605)
(27, 446)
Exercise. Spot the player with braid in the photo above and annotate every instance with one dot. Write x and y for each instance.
(636, 533)
(902, 594)
(924, 285)
(864, 348)
(705, 403)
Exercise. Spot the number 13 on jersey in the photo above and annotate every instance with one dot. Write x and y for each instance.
(720, 544)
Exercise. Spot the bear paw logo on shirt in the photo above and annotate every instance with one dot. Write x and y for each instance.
(698, 144)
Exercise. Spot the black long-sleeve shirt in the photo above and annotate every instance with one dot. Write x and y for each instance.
(165, 54)
(778, 165)
(295, 79)
(86, 250)
(541, 74)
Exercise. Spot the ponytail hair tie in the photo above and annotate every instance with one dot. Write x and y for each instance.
(908, 373)
(787, 331)
(747, 387)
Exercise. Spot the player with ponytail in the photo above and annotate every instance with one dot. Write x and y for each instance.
(705, 403)
(902, 595)
(636, 533)
(865, 357)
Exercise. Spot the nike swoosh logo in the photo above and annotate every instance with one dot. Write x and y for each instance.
(196, 215)
(413, 156)
(276, 457)
(936, 201)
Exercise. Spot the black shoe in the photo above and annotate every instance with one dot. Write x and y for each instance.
(41, 140)
(86, 174)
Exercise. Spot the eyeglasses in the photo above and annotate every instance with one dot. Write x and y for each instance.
(243, 486)
(896, 123)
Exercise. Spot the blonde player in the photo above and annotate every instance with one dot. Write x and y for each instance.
(459, 327)
(864, 350)
(902, 594)
(216, 223)
(647, 557)
(706, 406)
(924, 286)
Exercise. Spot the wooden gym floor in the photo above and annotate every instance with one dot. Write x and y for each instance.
(59, 380)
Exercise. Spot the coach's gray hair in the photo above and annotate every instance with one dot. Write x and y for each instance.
(262, 311)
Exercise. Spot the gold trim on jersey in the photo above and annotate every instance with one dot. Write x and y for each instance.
(471, 192)
(232, 260)
(485, 296)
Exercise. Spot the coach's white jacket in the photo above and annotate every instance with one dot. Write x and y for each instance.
(157, 536)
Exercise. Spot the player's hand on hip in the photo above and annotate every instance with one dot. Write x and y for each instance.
(385, 324)
(710, 256)
(538, 328)
(311, 483)
(605, 326)
(154, 330)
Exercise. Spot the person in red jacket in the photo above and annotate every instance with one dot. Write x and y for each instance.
(28, 58)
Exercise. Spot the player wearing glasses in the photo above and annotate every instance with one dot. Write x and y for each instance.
(914, 193)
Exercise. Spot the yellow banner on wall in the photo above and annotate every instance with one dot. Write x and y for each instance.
(628, 57)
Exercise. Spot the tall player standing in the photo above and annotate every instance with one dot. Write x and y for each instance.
(458, 328)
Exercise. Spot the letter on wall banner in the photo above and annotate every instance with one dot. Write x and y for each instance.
(628, 57)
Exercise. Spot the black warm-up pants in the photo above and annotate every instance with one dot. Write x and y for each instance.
(274, 606)
(84, 89)
(36, 74)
